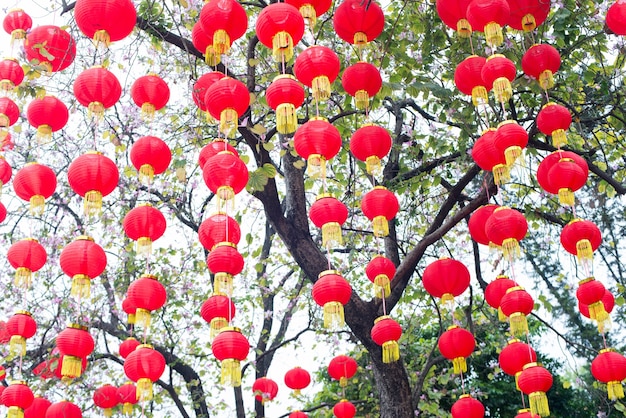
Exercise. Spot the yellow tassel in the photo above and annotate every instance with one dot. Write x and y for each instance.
(460, 365)
(92, 203)
(479, 95)
(127, 408)
(518, 324)
(584, 250)
(17, 35)
(102, 36)
(17, 345)
(44, 134)
(131, 319)
(321, 88)
(108, 412)
(559, 138)
(286, 118)
(511, 154)
(362, 99)
(210, 119)
(23, 277)
(539, 404)
(501, 174)
(4, 120)
(373, 165)
(566, 197)
(316, 167)
(380, 225)
(343, 382)
(225, 195)
(72, 366)
(331, 232)
(333, 315)
(282, 47)
(615, 390)
(308, 13)
(216, 325)
(360, 38)
(146, 174)
(211, 57)
(463, 28)
(81, 286)
(96, 110)
(144, 389)
(221, 42)
(501, 315)
(231, 372)
(493, 34)
(391, 351)
(147, 112)
(529, 23)
(144, 246)
(15, 412)
(229, 119)
(511, 248)
(546, 80)
(223, 283)
(143, 317)
(502, 89)
(37, 204)
(382, 285)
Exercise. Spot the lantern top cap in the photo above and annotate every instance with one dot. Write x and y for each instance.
(380, 188)
(284, 76)
(452, 327)
(150, 346)
(514, 289)
(501, 276)
(381, 318)
(149, 276)
(235, 329)
(225, 244)
(23, 312)
(508, 122)
(492, 56)
(566, 159)
(31, 239)
(323, 196)
(327, 272)
(491, 128)
(513, 341)
(93, 152)
(322, 118)
(465, 395)
(608, 350)
(586, 280)
(548, 104)
(83, 238)
(499, 208)
(530, 365)
(11, 59)
(18, 382)
(144, 204)
(521, 411)
(78, 327)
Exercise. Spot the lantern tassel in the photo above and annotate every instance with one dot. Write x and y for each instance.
(127, 408)
(615, 390)
(143, 317)
(92, 203)
(518, 324)
(17, 345)
(15, 412)
(229, 120)
(559, 138)
(225, 194)
(282, 47)
(221, 42)
(231, 372)
(529, 23)
(44, 134)
(479, 95)
(23, 277)
(511, 248)
(380, 224)
(511, 154)
(146, 174)
(286, 118)
(360, 38)
(331, 232)
(539, 404)
(372, 165)
(460, 365)
(493, 34)
(102, 36)
(391, 351)
(502, 89)
(216, 325)
(321, 88)
(147, 112)
(211, 57)
(131, 319)
(501, 315)
(343, 381)
(382, 285)
(362, 99)
(144, 389)
(316, 167)
(463, 28)
(96, 111)
(501, 174)
(546, 79)
(144, 246)
(72, 366)
(584, 250)
(81, 286)
(223, 283)
(309, 14)
(333, 315)
(566, 197)
(108, 412)
(37, 204)
(597, 311)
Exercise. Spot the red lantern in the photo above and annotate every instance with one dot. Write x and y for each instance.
(17, 397)
(144, 224)
(38, 408)
(526, 15)
(615, 18)
(127, 396)
(75, 344)
(469, 80)
(147, 294)
(370, 143)
(97, 89)
(200, 88)
(468, 407)
(510, 139)
(358, 22)
(144, 366)
(227, 99)
(516, 304)
(26, 256)
(499, 72)
(553, 120)
(285, 95)
(317, 67)
(540, 62)
(3, 212)
(264, 389)
(380, 271)
(567, 176)
(329, 214)
(20, 327)
(280, 26)
(386, 332)
(344, 409)
(525, 413)
(543, 171)
(9, 112)
(226, 175)
(590, 293)
(204, 44)
(581, 238)
(456, 344)
(63, 409)
(489, 158)
(495, 291)
(128, 346)
(82, 260)
(311, 9)
(105, 21)
(297, 379)
(212, 149)
(59, 50)
(318, 141)
(150, 156)
(489, 16)
(93, 176)
(217, 228)
(332, 292)
(11, 74)
(218, 310)
(380, 206)
(446, 278)
(105, 397)
(224, 261)
(5, 171)
(230, 347)
(298, 414)
(362, 81)
(16, 23)
(453, 14)
(609, 367)
(224, 21)
(150, 93)
(477, 221)
(130, 310)
(342, 368)
(506, 227)
(535, 381)
(48, 114)
(514, 356)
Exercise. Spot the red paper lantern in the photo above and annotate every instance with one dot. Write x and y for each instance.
(540, 62)
(317, 67)
(553, 120)
(224, 262)
(551, 185)
(506, 227)
(510, 139)
(5, 171)
(469, 80)
(82, 260)
(446, 278)
(514, 356)
(280, 26)
(332, 292)
(535, 381)
(97, 89)
(204, 44)
(297, 379)
(129, 309)
(567, 176)
(495, 291)
(285, 94)
(147, 294)
(128, 346)
(386, 332)
(20, 327)
(217, 228)
(329, 214)
(26, 256)
(17, 397)
(499, 72)
(380, 271)
(264, 389)
(105, 21)
(489, 158)
(144, 366)
(3, 212)
(370, 143)
(456, 344)
(63, 409)
(380, 206)
(59, 50)
(11, 74)
(453, 14)
(93, 176)
(150, 93)
(144, 224)
(298, 414)
(38, 408)
(226, 175)
(342, 368)
(48, 114)
(489, 16)
(227, 99)
(609, 367)
(212, 149)
(362, 81)
(200, 88)
(311, 9)
(477, 221)
(105, 397)
(224, 21)
(9, 112)
(615, 18)
(526, 15)
(230, 347)
(590, 293)
(16, 23)
(127, 397)
(516, 304)
(468, 407)
(150, 155)
(317, 141)
(581, 238)
(358, 22)
(344, 409)
(218, 310)
(75, 344)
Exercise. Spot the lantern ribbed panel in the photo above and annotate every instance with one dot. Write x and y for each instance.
(17, 20)
(297, 379)
(496, 289)
(541, 61)
(18, 395)
(445, 278)
(456, 344)
(342, 368)
(526, 15)
(311, 9)
(83, 256)
(515, 355)
(609, 367)
(217, 228)
(147, 293)
(59, 44)
(499, 72)
(280, 26)
(314, 62)
(11, 73)
(590, 291)
(218, 306)
(264, 389)
(128, 346)
(615, 18)
(127, 395)
(467, 407)
(97, 88)
(201, 86)
(228, 19)
(9, 112)
(38, 408)
(482, 12)
(506, 227)
(105, 397)
(115, 17)
(225, 174)
(144, 363)
(212, 149)
(150, 90)
(380, 206)
(476, 224)
(451, 12)
(357, 22)
(3, 212)
(230, 344)
(510, 139)
(516, 305)
(362, 81)
(27, 253)
(151, 151)
(34, 179)
(317, 137)
(6, 171)
(63, 409)
(468, 79)
(331, 287)
(144, 221)
(75, 341)
(21, 324)
(344, 409)
(386, 332)
(370, 144)
(225, 258)
(284, 89)
(47, 111)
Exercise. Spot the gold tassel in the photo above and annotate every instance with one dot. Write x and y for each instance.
(360, 38)
(282, 47)
(147, 112)
(146, 174)
(127, 408)
(102, 36)
(391, 351)
(479, 95)
(15, 412)
(144, 246)
(37, 204)
(546, 80)
(615, 390)
(493, 34)
(539, 404)
(17, 35)
(144, 389)
(316, 167)
(584, 250)
(231, 372)
(559, 138)
(382, 285)
(566, 197)
(362, 99)
(501, 174)
(321, 88)
(463, 28)
(343, 382)
(92, 203)
(501, 315)
(131, 319)
(221, 42)
(511, 154)
(373, 165)
(380, 225)
(223, 283)
(72, 366)
(511, 248)
(529, 23)
(211, 57)
(143, 317)
(216, 325)
(108, 412)
(17, 345)
(44, 134)
(23, 277)
(518, 323)
(225, 195)
(331, 232)
(81, 286)
(309, 14)
(597, 311)
(502, 89)
(228, 122)
(286, 118)
(96, 110)
(460, 365)
(333, 315)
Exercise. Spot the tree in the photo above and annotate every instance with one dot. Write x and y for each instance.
(433, 127)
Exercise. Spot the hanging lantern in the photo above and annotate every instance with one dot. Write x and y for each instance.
(75, 344)
(200, 88)
(150, 93)
(17, 397)
(280, 26)
(380, 271)
(370, 144)
(477, 221)
(226, 175)
(311, 9)
(224, 21)
(514, 356)
(297, 379)
(63, 409)
(535, 381)
(130, 310)
(540, 62)
(550, 161)
(284, 95)
(144, 366)
(82, 260)
(26, 256)
(467, 407)
(469, 80)
(380, 206)
(21, 326)
(506, 227)
(105, 21)
(489, 16)
(329, 214)
(565, 179)
(344, 409)
(144, 224)
(148, 295)
(97, 89)
(609, 367)
(362, 81)
(510, 139)
(11, 74)
(525, 413)
(499, 72)
(608, 303)
(204, 44)
(5, 172)
(48, 114)
(52, 47)
(217, 228)
(554, 120)
(445, 279)
(127, 397)
(342, 368)
(386, 332)
(230, 347)
(358, 22)
(150, 156)
(453, 14)
(489, 158)
(212, 149)
(128, 346)
(224, 262)
(317, 67)
(298, 414)
(218, 310)
(456, 344)
(495, 291)
(93, 176)
(16, 23)
(331, 291)
(590, 293)
(317, 141)
(615, 18)
(581, 238)
(9, 112)
(526, 15)
(226, 100)
(38, 408)
(264, 389)
(517, 304)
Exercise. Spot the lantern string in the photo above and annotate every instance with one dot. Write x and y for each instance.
(471, 45)
(462, 381)
(523, 399)
(604, 338)
(382, 297)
